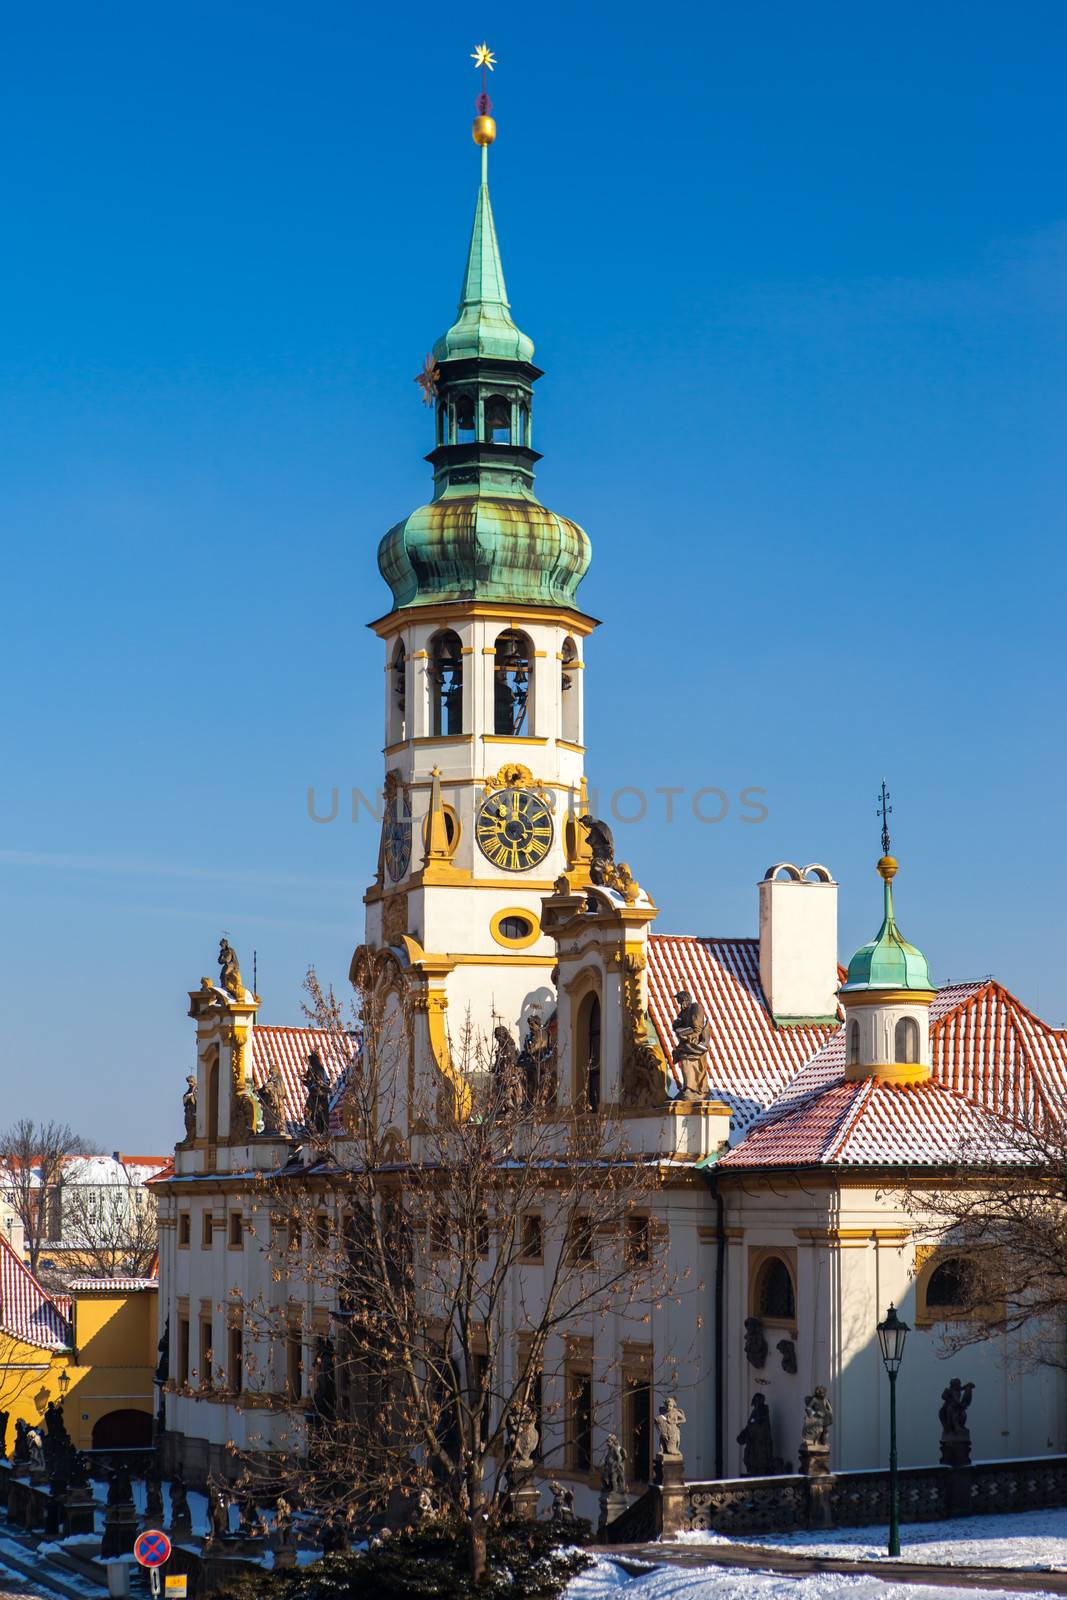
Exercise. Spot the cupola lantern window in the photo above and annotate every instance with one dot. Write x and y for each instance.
(512, 682)
(446, 684)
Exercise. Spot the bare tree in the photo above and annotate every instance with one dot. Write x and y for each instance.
(32, 1158)
(996, 1226)
(462, 1268)
(109, 1229)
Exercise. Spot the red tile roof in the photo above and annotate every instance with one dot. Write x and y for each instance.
(290, 1048)
(752, 1059)
(871, 1123)
(26, 1312)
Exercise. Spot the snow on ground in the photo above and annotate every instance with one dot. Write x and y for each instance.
(1036, 1539)
(606, 1581)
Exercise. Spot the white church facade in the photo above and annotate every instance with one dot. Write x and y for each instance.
(785, 1134)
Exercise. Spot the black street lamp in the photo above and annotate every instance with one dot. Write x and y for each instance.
(891, 1335)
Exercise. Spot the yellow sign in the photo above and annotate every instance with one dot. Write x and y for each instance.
(176, 1586)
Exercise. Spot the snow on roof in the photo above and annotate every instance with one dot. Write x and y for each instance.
(994, 1064)
(752, 1059)
(26, 1312)
(289, 1048)
(873, 1123)
(116, 1285)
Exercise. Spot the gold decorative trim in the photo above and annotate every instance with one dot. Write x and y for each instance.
(563, 617)
(526, 939)
(568, 744)
(512, 738)
(443, 738)
(888, 1072)
(886, 997)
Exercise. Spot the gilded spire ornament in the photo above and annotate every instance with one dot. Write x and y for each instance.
(483, 131)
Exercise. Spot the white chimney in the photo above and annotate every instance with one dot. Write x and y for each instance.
(798, 941)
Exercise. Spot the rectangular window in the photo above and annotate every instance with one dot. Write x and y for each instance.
(236, 1374)
(207, 1238)
(294, 1234)
(440, 1234)
(532, 1237)
(579, 1421)
(639, 1240)
(320, 1231)
(482, 1234)
(183, 1350)
(206, 1354)
(637, 1428)
(185, 1231)
(294, 1364)
(237, 1231)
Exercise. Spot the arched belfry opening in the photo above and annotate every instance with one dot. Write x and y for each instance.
(446, 683)
(498, 419)
(212, 1086)
(513, 684)
(570, 719)
(588, 1052)
(398, 695)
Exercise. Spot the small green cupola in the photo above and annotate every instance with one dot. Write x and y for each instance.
(889, 961)
(485, 533)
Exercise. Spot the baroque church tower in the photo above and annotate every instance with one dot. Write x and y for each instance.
(483, 667)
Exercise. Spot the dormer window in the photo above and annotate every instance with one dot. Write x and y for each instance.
(906, 1041)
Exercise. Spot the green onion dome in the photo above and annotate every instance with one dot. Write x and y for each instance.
(889, 961)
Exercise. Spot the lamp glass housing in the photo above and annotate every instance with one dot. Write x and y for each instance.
(891, 1336)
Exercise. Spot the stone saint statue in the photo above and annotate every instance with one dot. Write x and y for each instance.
(272, 1100)
(537, 1062)
(189, 1106)
(602, 845)
(181, 1518)
(21, 1453)
(35, 1447)
(955, 1434)
(756, 1440)
(755, 1343)
(316, 1098)
(669, 1420)
(693, 1033)
(818, 1417)
(229, 971)
(218, 1511)
(527, 1439)
(613, 1467)
(504, 1072)
(642, 1078)
(562, 1501)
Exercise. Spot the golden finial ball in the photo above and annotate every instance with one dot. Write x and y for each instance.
(484, 130)
(887, 868)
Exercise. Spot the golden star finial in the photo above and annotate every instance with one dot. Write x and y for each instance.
(483, 57)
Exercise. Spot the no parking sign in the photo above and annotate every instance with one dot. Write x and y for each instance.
(151, 1550)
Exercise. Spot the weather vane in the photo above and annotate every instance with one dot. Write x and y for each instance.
(885, 811)
(483, 57)
(428, 380)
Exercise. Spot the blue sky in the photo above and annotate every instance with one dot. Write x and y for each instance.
(797, 280)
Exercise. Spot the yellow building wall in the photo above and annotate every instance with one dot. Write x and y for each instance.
(29, 1379)
(112, 1369)
(115, 1335)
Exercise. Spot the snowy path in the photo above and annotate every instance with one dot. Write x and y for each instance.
(606, 1581)
(1034, 1539)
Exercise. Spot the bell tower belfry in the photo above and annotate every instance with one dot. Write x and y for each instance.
(483, 668)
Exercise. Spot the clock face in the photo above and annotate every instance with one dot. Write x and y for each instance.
(396, 837)
(514, 829)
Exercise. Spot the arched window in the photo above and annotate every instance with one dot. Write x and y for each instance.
(854, 1044)
(398, 695)
(588, 1053)
(498, 419)
(463, 424)
(906, 1040)
(512, 684)
(949, 1285)
(446, 683)
(212, 1121)
(774, 1299)
(569, 692)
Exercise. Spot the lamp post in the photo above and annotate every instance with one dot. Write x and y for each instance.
(891, 1335)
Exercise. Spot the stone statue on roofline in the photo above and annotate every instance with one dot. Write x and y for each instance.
(189, 1107)
(602, 845)
(693, 1033)
(504, 1072)
(613, 1467)
(316, 1099)
(229, 971)
(669, 1420)
(272, 1101)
